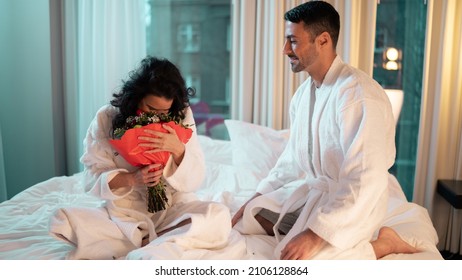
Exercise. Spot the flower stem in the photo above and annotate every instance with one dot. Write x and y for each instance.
(156, 198)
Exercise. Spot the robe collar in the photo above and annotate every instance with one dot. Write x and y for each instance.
(331, 75)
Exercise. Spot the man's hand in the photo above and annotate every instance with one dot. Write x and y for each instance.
(303, 246)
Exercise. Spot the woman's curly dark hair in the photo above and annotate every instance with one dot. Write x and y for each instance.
(155, 76)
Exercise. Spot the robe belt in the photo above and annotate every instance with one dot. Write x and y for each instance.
(318, 184)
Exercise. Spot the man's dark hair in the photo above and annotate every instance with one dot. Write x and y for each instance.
(318, 16)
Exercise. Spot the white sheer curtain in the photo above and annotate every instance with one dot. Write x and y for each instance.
(263, 83)
(357, 32)
(440, 137)
(111, 40)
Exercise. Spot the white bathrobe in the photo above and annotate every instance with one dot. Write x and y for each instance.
(343, 184)
(117, 228)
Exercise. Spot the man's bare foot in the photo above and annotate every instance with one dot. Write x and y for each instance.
(389, 242)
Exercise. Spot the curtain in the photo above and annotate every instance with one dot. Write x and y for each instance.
(263, 83)
(439, 146)
(357, 34)
(111, 40)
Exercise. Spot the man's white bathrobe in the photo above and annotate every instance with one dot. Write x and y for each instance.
(118, 227)
(335, 167)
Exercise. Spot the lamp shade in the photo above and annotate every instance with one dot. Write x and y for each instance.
(396, 97)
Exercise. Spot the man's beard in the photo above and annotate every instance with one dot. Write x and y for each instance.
(296, 67)
(295, 64)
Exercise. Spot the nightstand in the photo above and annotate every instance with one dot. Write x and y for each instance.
(451, 191)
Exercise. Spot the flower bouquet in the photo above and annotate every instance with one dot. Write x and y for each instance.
(126, 142)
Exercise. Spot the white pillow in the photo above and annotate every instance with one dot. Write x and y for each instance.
(255, 150)
(216, 151)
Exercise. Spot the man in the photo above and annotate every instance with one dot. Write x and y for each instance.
(327, 195)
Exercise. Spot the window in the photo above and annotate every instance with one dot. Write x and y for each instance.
(195, 35)
(188, 38)
(398, 67)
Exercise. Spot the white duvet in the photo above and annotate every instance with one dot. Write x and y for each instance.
(233, 171)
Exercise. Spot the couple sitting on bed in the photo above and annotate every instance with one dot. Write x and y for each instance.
(336, 163)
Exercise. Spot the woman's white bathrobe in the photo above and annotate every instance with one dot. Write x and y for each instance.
(118, 227)
(343, 184)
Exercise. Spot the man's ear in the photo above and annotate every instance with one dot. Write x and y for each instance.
(323, 39)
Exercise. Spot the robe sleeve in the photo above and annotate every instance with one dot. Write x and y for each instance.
(98, 158)
(187, 176)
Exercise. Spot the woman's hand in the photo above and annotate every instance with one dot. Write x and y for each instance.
(164, 142)
(148, 175)
(240, 212)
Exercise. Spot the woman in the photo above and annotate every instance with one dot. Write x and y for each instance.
(124, 224)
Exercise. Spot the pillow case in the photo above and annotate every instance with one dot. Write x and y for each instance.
(255, 150)
(215, 150)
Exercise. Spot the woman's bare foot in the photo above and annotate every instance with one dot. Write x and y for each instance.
(389, 242)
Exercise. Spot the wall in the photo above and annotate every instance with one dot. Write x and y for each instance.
(26, 117)
(3, 191)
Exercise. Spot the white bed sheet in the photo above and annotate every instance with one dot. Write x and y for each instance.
(231, 178)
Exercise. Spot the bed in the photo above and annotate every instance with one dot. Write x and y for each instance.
(234, 168)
